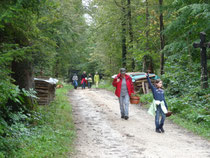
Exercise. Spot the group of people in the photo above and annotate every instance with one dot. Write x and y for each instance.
(85, 80)
(124, 89)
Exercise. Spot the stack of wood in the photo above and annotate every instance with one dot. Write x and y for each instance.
(45, 88)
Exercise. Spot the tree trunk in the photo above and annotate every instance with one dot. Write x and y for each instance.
(147, 25)
(23, 74)
(148, 64)
(162, 38)
(130, 34)
(56, 68)
(123, 23)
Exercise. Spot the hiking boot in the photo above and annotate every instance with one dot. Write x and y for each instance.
(126, 117)
(157, 130)
(162, 130)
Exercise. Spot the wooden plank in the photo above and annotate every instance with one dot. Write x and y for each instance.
(143, 87)
(41, 86)
(146, 87)
(41, 91)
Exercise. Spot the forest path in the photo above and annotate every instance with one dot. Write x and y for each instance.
(101, 133)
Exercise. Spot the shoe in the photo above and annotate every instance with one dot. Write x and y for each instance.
(122, 116)
(126, 117)
(157, 130)
(162, 130)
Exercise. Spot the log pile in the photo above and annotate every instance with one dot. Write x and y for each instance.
(45, 89)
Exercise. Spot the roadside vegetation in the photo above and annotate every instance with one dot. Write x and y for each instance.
(47, 132)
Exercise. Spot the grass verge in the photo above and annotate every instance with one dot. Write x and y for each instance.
(53, 132)
(106, 84)
(199, 129)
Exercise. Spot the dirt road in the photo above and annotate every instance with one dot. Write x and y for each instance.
(101, 133)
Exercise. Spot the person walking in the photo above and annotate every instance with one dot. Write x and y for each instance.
(124, 89)
(83, 79)
(89, 80)
(158, 107)
(75, 79)
(96, 79)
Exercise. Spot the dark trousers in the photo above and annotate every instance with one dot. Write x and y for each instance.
(89, 84)
(75, 84)
(159, 123)
(83, 85)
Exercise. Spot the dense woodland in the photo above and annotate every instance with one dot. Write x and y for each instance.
(55, 38)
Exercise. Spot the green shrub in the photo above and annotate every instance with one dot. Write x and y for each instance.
(46, 132)
(106, 84)
(146, 98)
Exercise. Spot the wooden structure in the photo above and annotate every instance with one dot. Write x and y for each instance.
(140, 82)
(45, 88)
(203, 45)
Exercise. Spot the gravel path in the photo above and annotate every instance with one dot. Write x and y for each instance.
(101, 133)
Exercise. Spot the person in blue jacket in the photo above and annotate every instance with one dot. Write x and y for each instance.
(160, 104)
(74, 79)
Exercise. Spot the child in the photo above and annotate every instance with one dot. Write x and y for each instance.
(89, 81)
(159, 104)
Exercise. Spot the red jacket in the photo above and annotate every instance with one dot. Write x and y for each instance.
(118, 84)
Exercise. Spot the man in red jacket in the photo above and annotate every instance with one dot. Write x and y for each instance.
(124, 88)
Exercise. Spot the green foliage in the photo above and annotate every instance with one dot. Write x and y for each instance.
(146, 98)
(185, 97)
(191, 19)
(47, 132)
(106, 84)
(46, 33)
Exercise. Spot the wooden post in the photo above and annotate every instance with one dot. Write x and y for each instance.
(202, 45)
(143, 87)
(147, 87)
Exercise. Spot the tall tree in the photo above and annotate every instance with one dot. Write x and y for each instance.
(123, 8)
(162, 37)
(131, 38)
(123, 33)
(147, 24)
